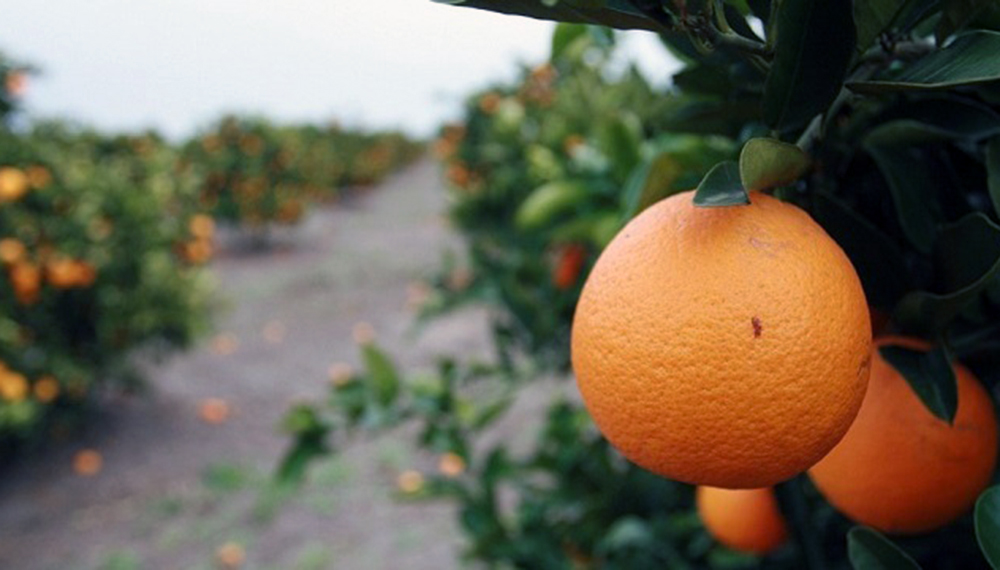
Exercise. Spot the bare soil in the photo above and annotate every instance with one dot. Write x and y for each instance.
(175, 490)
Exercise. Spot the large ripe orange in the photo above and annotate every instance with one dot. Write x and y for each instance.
(899, 468)
(726, 346)
(743, 519)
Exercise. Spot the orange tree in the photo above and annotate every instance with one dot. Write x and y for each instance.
(257, 174)
(92, 269)
(536, 171)
(880, 119)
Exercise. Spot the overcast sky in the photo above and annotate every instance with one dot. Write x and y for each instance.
(176, 65)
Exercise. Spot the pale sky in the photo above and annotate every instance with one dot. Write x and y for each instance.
(176, 65)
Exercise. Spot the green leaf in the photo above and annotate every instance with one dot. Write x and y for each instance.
(912, 191)
(678, 163)
(382, 373)
(968, 257)
(929, 374)
(815, 44)
(621, 14)
(722, 187)
(993, 172)
(620, 140)
(628, 532)
(547, 202)
(872, 17)
(486, 415)
(969, 60)
(869, 550)
(310, 442)
(987, 521)
(564, 35)
(876, 258)
(652, 182)
(766, 163)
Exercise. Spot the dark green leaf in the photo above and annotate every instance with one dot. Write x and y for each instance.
(736, 19)
(722, 187)
(869, 550)
(872, 17)
(914, 14)
(704, 80)
(993, 172)
(815, 45)
(933, 120)
(740, 5)
(969, 60)
(957, 15)
(876, 258)
(912, 192)
(383, 374)
(708, 116)
(929, 374)
(620, 14)
(967, 252)
(968, 255)
(766, 163)
(987, 520)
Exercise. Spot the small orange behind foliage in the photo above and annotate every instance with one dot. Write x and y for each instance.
(743, 519)
(64, 273)
(569, 263)
(46, 389)
(900, 469)
(26, 279)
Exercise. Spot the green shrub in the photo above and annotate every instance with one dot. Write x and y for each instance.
(90, 231)
(257, 174)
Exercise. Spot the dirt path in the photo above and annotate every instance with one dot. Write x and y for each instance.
(174, 488)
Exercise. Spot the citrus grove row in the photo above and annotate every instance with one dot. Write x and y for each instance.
(103, 240)
(774, 280)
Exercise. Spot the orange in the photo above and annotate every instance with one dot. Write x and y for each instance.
(727, 346)
(569, 264)
(743, 519)
(88, 463)
(26, 279)
(64, 273)
(14, 183)
(900, 469)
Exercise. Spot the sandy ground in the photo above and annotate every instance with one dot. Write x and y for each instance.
(174, 489)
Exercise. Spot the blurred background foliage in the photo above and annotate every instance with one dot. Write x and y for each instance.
(104, 240)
